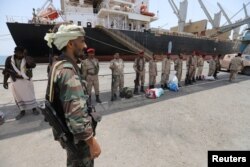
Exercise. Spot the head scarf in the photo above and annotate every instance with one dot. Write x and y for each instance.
(64, 34)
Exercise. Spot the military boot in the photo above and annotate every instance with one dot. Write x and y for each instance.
(35, 112)
(162, 86)
(98, 99)
(20, 115)
(89, 100)
(142, 89)
(136, 90)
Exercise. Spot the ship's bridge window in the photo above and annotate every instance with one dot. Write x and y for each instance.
(79, 23)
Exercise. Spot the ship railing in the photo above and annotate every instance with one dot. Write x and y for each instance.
(128, 41)
(19, 19)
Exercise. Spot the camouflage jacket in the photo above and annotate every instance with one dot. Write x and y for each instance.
(152, 67)
(90, 67)
(117, 66)
(236, 64)
(69, 91)
(212, 64)
(178, 64)
(200, 62)
(139, 64)
(166, 65)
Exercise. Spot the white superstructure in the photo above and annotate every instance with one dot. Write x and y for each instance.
(116, 14)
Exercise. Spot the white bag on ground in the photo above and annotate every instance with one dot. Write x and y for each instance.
(154, 93)
(209, 78)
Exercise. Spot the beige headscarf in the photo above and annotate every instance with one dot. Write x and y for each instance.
(64, 34)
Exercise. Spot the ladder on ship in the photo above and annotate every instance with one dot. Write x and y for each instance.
(127, 41)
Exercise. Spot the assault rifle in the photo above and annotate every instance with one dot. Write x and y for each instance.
(61, 130)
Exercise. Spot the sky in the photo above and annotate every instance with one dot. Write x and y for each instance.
(22, 9)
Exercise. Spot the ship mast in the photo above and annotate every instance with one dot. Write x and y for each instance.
(236, 30)
(180, 13)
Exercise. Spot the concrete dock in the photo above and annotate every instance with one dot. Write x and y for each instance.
(175, 130)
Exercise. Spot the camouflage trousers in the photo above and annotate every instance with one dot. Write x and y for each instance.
(85, 161)
(164, 78)
(178, 75)
(141, 78)
(152, 79)
(117, 81)
(93, 81)
(191, 72)
(211, 72)
(233, 74)
(199, 71)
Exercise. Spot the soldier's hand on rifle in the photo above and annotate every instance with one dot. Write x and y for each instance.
(5, 85)
(94, 148)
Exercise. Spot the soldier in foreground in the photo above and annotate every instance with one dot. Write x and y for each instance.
(178, 68)
(235, 65)
(139, 67)
(117, 66)
(90, 70)
(69, 98)
(152, 72)
(166, 66)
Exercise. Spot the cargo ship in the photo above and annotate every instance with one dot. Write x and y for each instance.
(114, 26)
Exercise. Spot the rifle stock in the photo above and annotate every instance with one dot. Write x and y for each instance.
(64, 135)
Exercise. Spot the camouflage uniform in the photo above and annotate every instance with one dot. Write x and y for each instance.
(235, 66)
(117, 66)
(217, 67)
(90, 70)
(200, 65)
(166, 66)
(191, 66)
(212, 66)
(139, 67)
(70, 95)
(152, 73)
(178, 68)
(195, 67)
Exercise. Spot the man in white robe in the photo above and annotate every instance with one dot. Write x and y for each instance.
(17, 77)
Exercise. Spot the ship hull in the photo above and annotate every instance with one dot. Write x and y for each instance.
(31, 36)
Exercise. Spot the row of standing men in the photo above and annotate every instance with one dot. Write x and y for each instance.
(195, 64)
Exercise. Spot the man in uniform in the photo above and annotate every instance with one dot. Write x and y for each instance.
(178, 68)
(196, 57)
(191, 65)
(90, 70)
(235, 66)
(117, 66)
(217, 66)
(139, 67)
(69, 97)
(200, 65)
(166, 66)
(152, 72)
(212, 66)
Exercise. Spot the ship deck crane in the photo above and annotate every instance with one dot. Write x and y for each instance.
(180, 13)
(217, 16)
(236, 30)
(230, 27)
